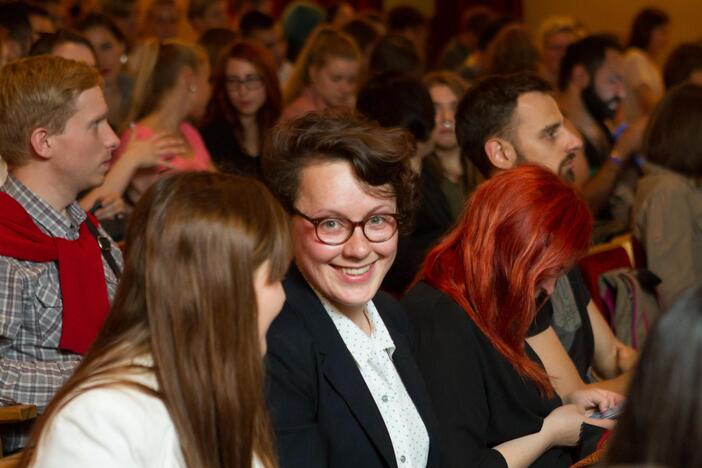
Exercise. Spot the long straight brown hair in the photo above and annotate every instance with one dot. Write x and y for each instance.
(187, 299)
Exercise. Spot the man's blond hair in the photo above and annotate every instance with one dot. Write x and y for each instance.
(38, 92)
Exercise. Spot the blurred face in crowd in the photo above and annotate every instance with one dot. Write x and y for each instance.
(335, 82)
(554, 48)
(273, 40)
(244, 87)
(347, 275)
(74, 51)
(215, 16)
(109, 52)
(41, 25)
(605, 92)
(445, 103)
(660, 38)
(163, 21)
(540, 136)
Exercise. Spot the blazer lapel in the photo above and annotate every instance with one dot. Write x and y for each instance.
(338, 365)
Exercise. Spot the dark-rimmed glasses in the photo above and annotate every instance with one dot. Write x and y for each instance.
(251, 82)
(335, 230)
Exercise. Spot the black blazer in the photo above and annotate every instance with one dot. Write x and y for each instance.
(480, 400)
(322, 411)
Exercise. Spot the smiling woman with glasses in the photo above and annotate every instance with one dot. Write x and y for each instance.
(245, 105)
(343, 388)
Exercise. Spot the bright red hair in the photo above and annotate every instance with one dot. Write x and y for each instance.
(519, 228)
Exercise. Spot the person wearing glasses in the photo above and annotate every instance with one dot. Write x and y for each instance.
(343, 388)
(245, 105)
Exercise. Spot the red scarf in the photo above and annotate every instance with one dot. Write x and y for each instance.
(81, 274)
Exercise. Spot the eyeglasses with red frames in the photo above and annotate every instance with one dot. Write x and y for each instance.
(335, 230)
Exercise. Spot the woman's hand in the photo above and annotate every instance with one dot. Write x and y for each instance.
(154, 150)
(111, 205)
(562, 425)
(594, 399)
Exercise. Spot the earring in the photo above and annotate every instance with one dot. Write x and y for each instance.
(192, 88)
(123, 59)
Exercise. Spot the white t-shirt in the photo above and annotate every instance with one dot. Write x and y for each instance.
(638, 70)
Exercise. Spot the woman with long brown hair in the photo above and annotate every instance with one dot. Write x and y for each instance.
(175, 377)
(479, 291)
(245, 105)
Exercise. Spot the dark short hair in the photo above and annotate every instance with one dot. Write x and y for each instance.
(48, 42)
(396, 100)
(362, 32)
(98, 20)
(487, 110)
(379, 156)
(681, 63)
(405, 17)
(394, 53)
(253, 21)
(672, 137)
(476, 19)
(645, 22)
(589, 52)
(14, 17)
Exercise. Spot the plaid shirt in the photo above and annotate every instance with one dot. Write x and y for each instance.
(32, 367)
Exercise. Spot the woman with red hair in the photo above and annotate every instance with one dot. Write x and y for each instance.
(477, 294)
(245, 104)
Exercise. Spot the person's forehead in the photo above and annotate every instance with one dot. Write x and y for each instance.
(90, 103)
(535, 111)
(442, 93)
(613, 61)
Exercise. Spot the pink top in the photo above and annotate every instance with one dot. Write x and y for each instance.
(143, 178)
(307, 102)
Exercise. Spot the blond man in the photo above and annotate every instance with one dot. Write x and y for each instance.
(58, 269)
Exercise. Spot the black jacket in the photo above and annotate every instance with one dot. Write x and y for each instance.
(322, 411)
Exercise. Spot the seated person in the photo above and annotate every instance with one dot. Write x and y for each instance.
(244, 107)
(175, 377)
(58, 269)
(477, 294)
(395, 100)
(683, 64)
(668, 205)
(171, 87)
(343, 388)
(503, 122)
(325, 75)
(663, 399)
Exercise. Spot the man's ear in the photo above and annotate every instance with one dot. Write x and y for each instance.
(42, 143)
(580, 77)
(501, 153)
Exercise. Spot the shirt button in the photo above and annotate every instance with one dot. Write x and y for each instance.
(384, 398)
(402, 459)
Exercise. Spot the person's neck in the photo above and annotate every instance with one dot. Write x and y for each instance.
(359, 317)
(46, 186)
(250, 134)
(166, 117)
(450, 160)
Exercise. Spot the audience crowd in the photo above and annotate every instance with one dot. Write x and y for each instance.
(234, 239)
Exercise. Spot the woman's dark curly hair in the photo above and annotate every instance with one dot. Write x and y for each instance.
(379, 156)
